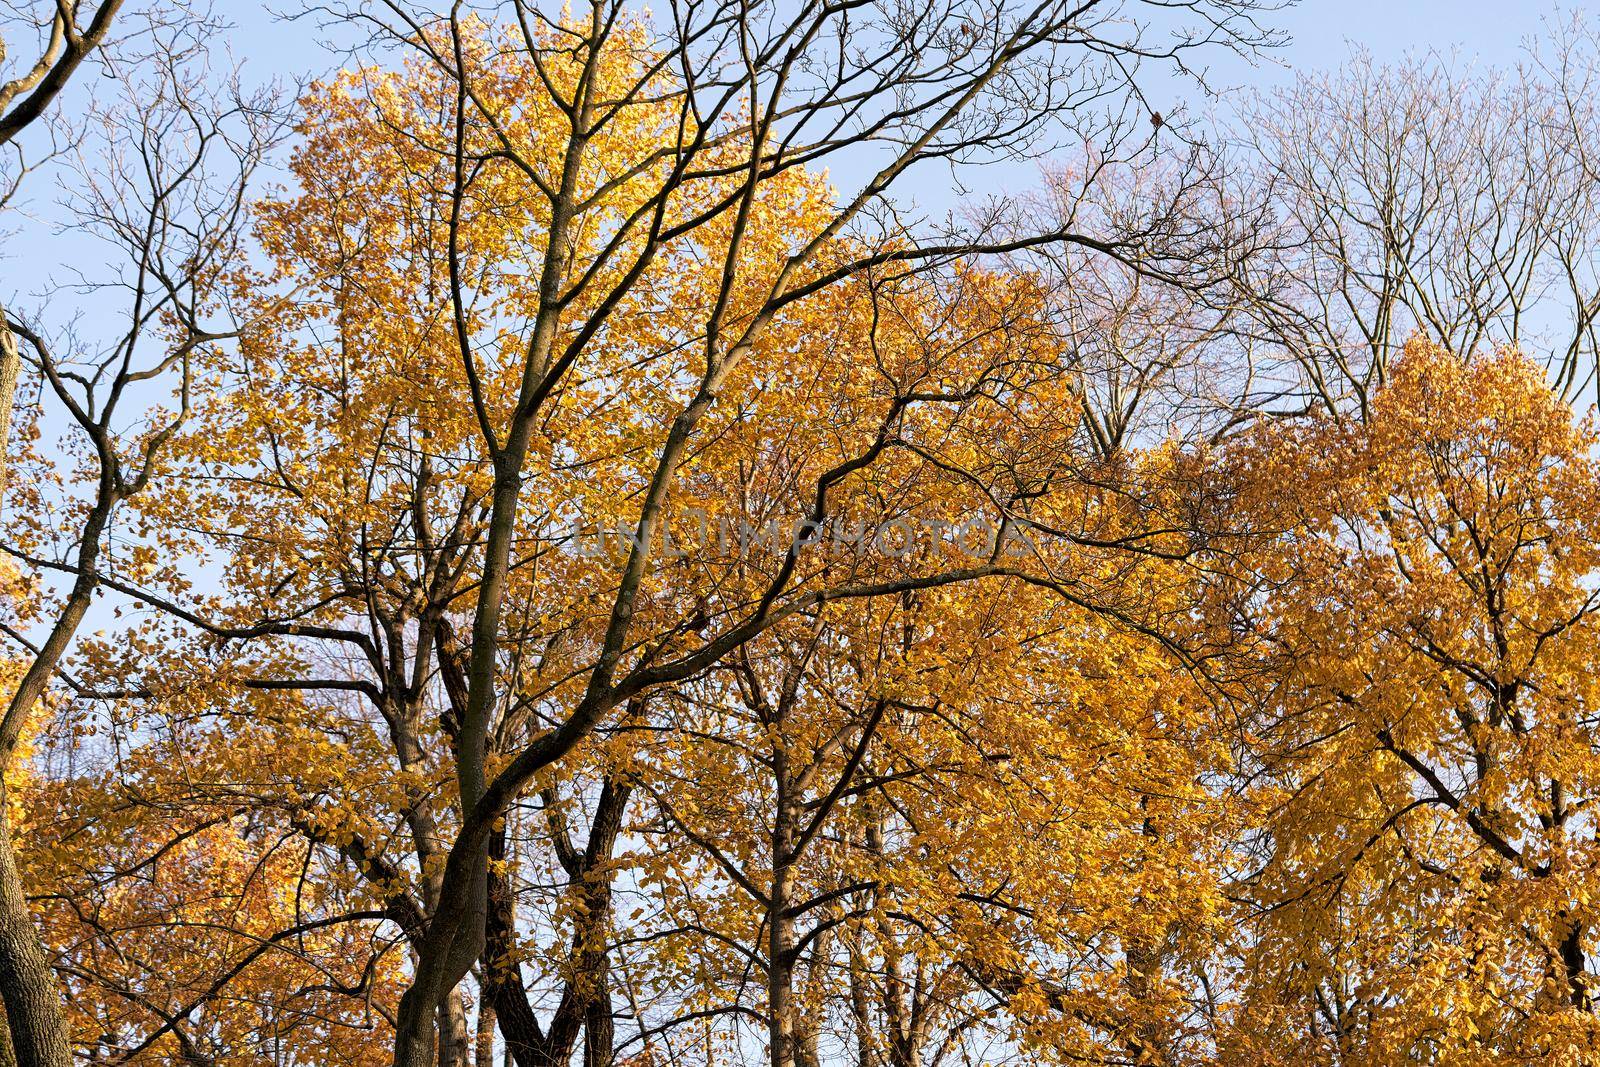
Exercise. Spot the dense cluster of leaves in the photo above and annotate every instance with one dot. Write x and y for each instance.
(940, 716)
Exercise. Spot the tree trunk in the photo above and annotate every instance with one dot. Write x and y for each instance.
(36, 1028)
(8, 1055)
(483, 1055)
(413, 1041)
(27, 983)
(453, 941)
(1572, 962)
(453, 1031)
(10, 366)
(503, 992)
(599, 1030)
(780, 922)
(585, 1005)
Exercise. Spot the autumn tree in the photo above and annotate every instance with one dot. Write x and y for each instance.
(994, 834)
(584, 256)
(591, 570)
(1422, 761)
(151, 183)
(191, 927)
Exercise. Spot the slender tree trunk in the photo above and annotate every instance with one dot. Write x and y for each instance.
(861, 1014)
(10, 361)
(780, 979)
(808, 1038)
(599, 1029)
(10, 366)
(36, 1026)
(780, 923)
(453, 1031)
(27, 982)
(484, 1054)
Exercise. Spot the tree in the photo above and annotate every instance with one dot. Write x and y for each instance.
(1010, 842)
(74, 31)
(1420, 197)
(1425, 620)
(600, 189)
(71, 32)
(159, 196)
(195, 930)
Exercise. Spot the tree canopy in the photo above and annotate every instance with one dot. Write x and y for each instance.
(535, 547)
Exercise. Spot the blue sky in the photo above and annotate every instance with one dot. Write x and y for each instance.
(1322, 34)
(1322, 31)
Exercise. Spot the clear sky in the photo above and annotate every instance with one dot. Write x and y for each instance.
(1322, 31)
(1491, 29)
(1322, 34)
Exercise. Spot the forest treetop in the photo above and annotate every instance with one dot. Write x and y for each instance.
(533, 546)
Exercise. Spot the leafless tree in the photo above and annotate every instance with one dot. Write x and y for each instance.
(1428, 197)
(63, 35)
(1156, 353)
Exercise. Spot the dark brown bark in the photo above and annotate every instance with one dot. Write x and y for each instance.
(502, 975)
(780, 922)
(585, 1005)
(37, 87)
(1576, 971)
(27, 982)
(8, 1055)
